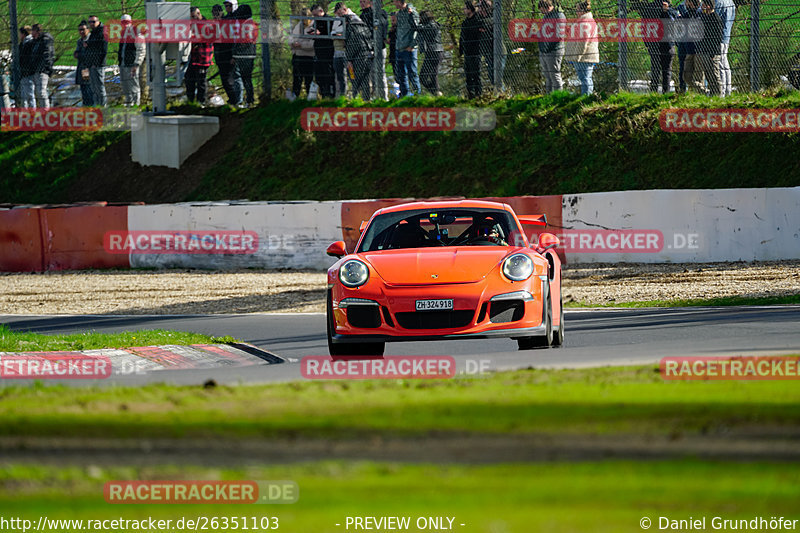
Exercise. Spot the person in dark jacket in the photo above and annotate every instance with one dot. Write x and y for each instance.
(485, 13)
(688, 64)
(42, 59)
(96, 56)
(200, 60)
(26, 71)
(244, 56)
(359, 51)
(551, 54)
(469, 46)
(379, 83)
(661, 53)
(430, 44)
(709, 47)
(223, 57)
(391, 40)
(323, 54)
(82, 70)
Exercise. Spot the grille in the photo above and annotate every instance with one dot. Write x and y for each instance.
(363, 316)
(506, 311)
(435, 319)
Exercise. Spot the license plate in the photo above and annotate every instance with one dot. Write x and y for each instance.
(435, 305)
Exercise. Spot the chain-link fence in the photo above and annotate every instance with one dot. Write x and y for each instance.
(764, 48)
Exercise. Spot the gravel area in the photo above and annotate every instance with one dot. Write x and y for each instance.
(252, 291)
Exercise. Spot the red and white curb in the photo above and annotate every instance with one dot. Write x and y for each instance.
(108, 362)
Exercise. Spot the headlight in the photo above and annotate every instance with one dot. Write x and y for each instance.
(353, 273)
(518, 267)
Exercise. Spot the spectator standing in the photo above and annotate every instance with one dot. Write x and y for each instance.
(323, 54)
(726, 9)
(230, 15)
(339, 53)
(584, 54)
(407, 73)
(130, 57)
(661, 53)
(379, 83)
(244, 56)
(391, 40)
(551, 54)
(485, 12)
(709, 47)
(469, 46)
(302, 55)
(223, 57)
(82, 71)
(360, 50)
(687, 51)
(200, 59)
(96, 57)
(42, 58)
(430, 44)
(26, 68)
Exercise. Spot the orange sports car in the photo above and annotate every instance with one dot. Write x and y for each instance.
(444, 270)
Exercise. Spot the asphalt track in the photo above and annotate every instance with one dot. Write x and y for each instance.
(594, 337)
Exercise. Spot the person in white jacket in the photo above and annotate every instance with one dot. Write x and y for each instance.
(582, 49)
(302, 55)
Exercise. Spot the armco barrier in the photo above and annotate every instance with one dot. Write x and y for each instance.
(674, 225)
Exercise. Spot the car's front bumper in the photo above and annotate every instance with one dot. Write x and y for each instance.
(486, 309)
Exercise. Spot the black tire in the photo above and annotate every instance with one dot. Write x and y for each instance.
(348, 348)
(558, 335)
(541, 341)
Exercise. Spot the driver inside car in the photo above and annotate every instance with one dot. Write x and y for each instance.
(489, 230)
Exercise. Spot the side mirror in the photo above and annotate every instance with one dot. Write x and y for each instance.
(547, 241)
(337, 249)
(363, 226)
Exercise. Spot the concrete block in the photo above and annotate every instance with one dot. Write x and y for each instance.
(169, 140)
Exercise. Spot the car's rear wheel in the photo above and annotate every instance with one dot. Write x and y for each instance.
(348, 348)
(541, 341)
(558, 335)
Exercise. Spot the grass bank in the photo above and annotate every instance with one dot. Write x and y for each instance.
(560, 143)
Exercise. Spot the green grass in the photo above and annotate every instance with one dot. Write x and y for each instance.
(607, 496)
(555, 144)
(603, 401)
(15, 341)
(698, 302)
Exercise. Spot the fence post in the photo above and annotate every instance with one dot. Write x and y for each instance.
(12, 15)
(497, 51)
(622, 59)
(266, 34)
(755, 44)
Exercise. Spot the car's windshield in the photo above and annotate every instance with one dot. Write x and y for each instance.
(437, 228)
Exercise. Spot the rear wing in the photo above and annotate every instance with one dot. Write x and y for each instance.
(533, 220)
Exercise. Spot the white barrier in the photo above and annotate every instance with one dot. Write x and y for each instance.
(290, 235)
(695, 225)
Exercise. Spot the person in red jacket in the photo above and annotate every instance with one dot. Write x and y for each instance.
(199, 63)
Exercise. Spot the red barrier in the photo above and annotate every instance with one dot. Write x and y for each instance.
(66, 238)
(20, 240)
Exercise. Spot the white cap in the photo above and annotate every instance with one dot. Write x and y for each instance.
(126, 17)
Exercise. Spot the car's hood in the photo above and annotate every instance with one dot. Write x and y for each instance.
(419, 266)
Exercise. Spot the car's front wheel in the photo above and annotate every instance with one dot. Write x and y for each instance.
(541, 341)
(348, 348)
